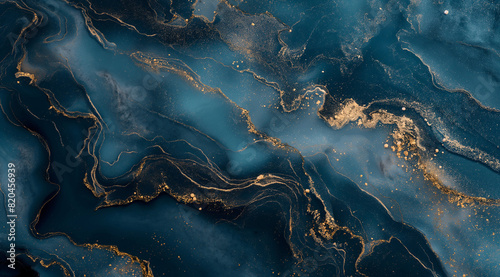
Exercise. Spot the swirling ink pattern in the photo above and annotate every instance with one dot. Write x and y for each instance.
(251, 138)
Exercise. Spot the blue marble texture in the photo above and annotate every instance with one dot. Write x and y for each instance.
(250, 138)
